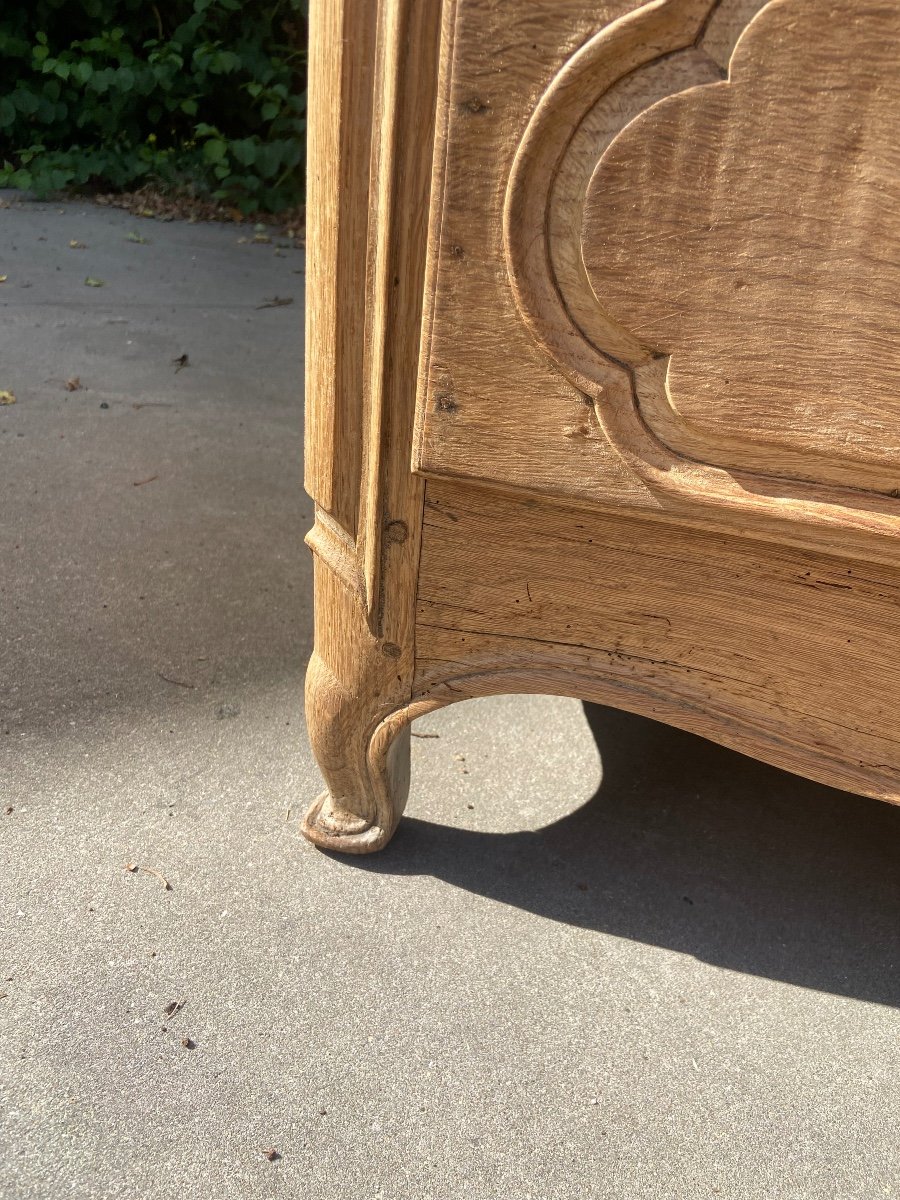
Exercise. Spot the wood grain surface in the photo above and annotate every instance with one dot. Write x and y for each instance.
(792, 658)
(488, 396)
(366, 563)
(652, 397)
(823, 477)
(341, 65)
(748, 233)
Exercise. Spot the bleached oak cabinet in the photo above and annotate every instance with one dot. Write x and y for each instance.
(603, 401)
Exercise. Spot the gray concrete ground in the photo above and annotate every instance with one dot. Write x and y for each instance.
(681, 981)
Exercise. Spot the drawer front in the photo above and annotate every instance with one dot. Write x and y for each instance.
(664, 262)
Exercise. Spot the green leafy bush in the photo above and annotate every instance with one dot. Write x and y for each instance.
(205, 97)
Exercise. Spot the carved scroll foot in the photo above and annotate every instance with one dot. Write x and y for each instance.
(364, 760)
(373, 79)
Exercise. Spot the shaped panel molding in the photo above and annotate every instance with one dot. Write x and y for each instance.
(702, 230)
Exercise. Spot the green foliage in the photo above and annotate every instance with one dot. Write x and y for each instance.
(200, 96)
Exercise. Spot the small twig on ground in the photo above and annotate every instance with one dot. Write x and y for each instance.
(181, 362)
(425, 735)
(277, 302)
(177, 682)
(141, 482)
(133, 868)
(159, 875)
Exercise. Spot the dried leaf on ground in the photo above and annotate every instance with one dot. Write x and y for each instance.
(73, 384)
(76, 245)
(138, 238)
(7, 398)
(3, 278)
(92, 282)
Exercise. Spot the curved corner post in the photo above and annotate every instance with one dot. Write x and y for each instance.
(373, 82)
(355, 683)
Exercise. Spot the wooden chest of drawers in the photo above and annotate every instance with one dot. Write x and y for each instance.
(602, 376)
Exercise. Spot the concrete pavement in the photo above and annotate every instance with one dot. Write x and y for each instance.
(602, 959)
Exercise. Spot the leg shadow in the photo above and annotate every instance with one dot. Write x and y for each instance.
(698, 849)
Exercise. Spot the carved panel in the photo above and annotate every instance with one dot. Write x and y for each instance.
(748, 233)
(712, 256)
